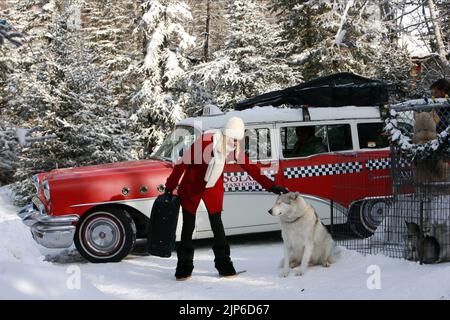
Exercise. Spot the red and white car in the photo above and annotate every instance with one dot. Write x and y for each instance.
(104, 208)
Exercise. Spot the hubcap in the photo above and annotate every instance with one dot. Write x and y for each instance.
(373, 214)
(102, 235)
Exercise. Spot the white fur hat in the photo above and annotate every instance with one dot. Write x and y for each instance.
(234, 128)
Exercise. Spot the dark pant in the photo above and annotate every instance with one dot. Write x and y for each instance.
(185, 250)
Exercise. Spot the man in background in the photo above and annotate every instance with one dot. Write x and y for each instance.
(441, 89)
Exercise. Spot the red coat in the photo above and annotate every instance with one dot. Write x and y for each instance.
(192, 187)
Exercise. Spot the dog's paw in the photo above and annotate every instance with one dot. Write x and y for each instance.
(300, 272)
(284, 273)
(326, 264)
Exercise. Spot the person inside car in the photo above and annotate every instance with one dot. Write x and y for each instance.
(307, 142)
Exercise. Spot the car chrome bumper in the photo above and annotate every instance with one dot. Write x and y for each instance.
(49, 231)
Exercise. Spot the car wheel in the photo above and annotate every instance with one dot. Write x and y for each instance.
(365, 216)
(106, 235)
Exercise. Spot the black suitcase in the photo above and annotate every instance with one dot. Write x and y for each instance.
(163, 225)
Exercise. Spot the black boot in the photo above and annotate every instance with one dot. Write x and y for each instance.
(185, 263)
(221, 248)
(222, 261)
(185, 250)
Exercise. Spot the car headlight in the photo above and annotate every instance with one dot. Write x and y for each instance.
(35, 180)
(46, 190)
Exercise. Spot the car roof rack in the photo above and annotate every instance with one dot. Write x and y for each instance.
(422, 104)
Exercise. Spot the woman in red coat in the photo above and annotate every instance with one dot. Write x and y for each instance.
(202, 166)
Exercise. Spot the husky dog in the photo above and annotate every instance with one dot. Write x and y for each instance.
(441, 232)
(420, 247)
(306, 241)
(429, 170)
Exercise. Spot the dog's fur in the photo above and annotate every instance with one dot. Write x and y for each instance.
(441, 232)
(306, 241)
(420, 247)
(433, 170)
(424, 127)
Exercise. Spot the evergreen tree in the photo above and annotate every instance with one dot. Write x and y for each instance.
(444, 10)
(110, 35)
(328, 37)
(157, 104)
(65, 95)
(208, 26)
(343, 36)
(6, 34)
(8, 153)
(444, 21)
(252, 61)
(22, 99)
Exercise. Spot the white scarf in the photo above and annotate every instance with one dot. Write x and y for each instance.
(217, 163)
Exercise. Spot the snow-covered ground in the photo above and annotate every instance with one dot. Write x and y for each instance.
(28, 271)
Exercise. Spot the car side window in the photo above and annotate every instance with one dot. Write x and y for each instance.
(303, 141)
(371, 136)
(258, 144)
(339, 137)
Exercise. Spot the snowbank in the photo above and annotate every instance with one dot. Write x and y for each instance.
(27, 273)
(23, 272)
(16, 243)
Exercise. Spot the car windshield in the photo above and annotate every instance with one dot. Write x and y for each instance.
(176, 143)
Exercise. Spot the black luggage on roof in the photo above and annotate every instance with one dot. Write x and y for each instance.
(337, 90)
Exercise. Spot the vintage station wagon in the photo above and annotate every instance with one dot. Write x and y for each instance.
(342, 168)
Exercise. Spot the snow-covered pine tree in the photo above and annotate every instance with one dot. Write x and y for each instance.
(444, 14)
(71, 101)
(328, 37)
(8, 36)
(157, 104)
(22, 96)
(252, 60)
(208, 15)
(8, 153)
(109, 28)
(393, 62)
(91, 127)
(335, 36)
(22, 85)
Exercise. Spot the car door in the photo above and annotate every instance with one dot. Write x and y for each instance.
(310, 164)
(246, 203)
(375, 152)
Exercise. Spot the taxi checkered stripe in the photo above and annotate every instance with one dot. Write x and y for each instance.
(244, 188)
(384, 163)
(378, 164)
(241, 188)
(322, 170)
(269, 174)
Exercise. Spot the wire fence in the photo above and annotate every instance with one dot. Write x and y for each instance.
(409, 216)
